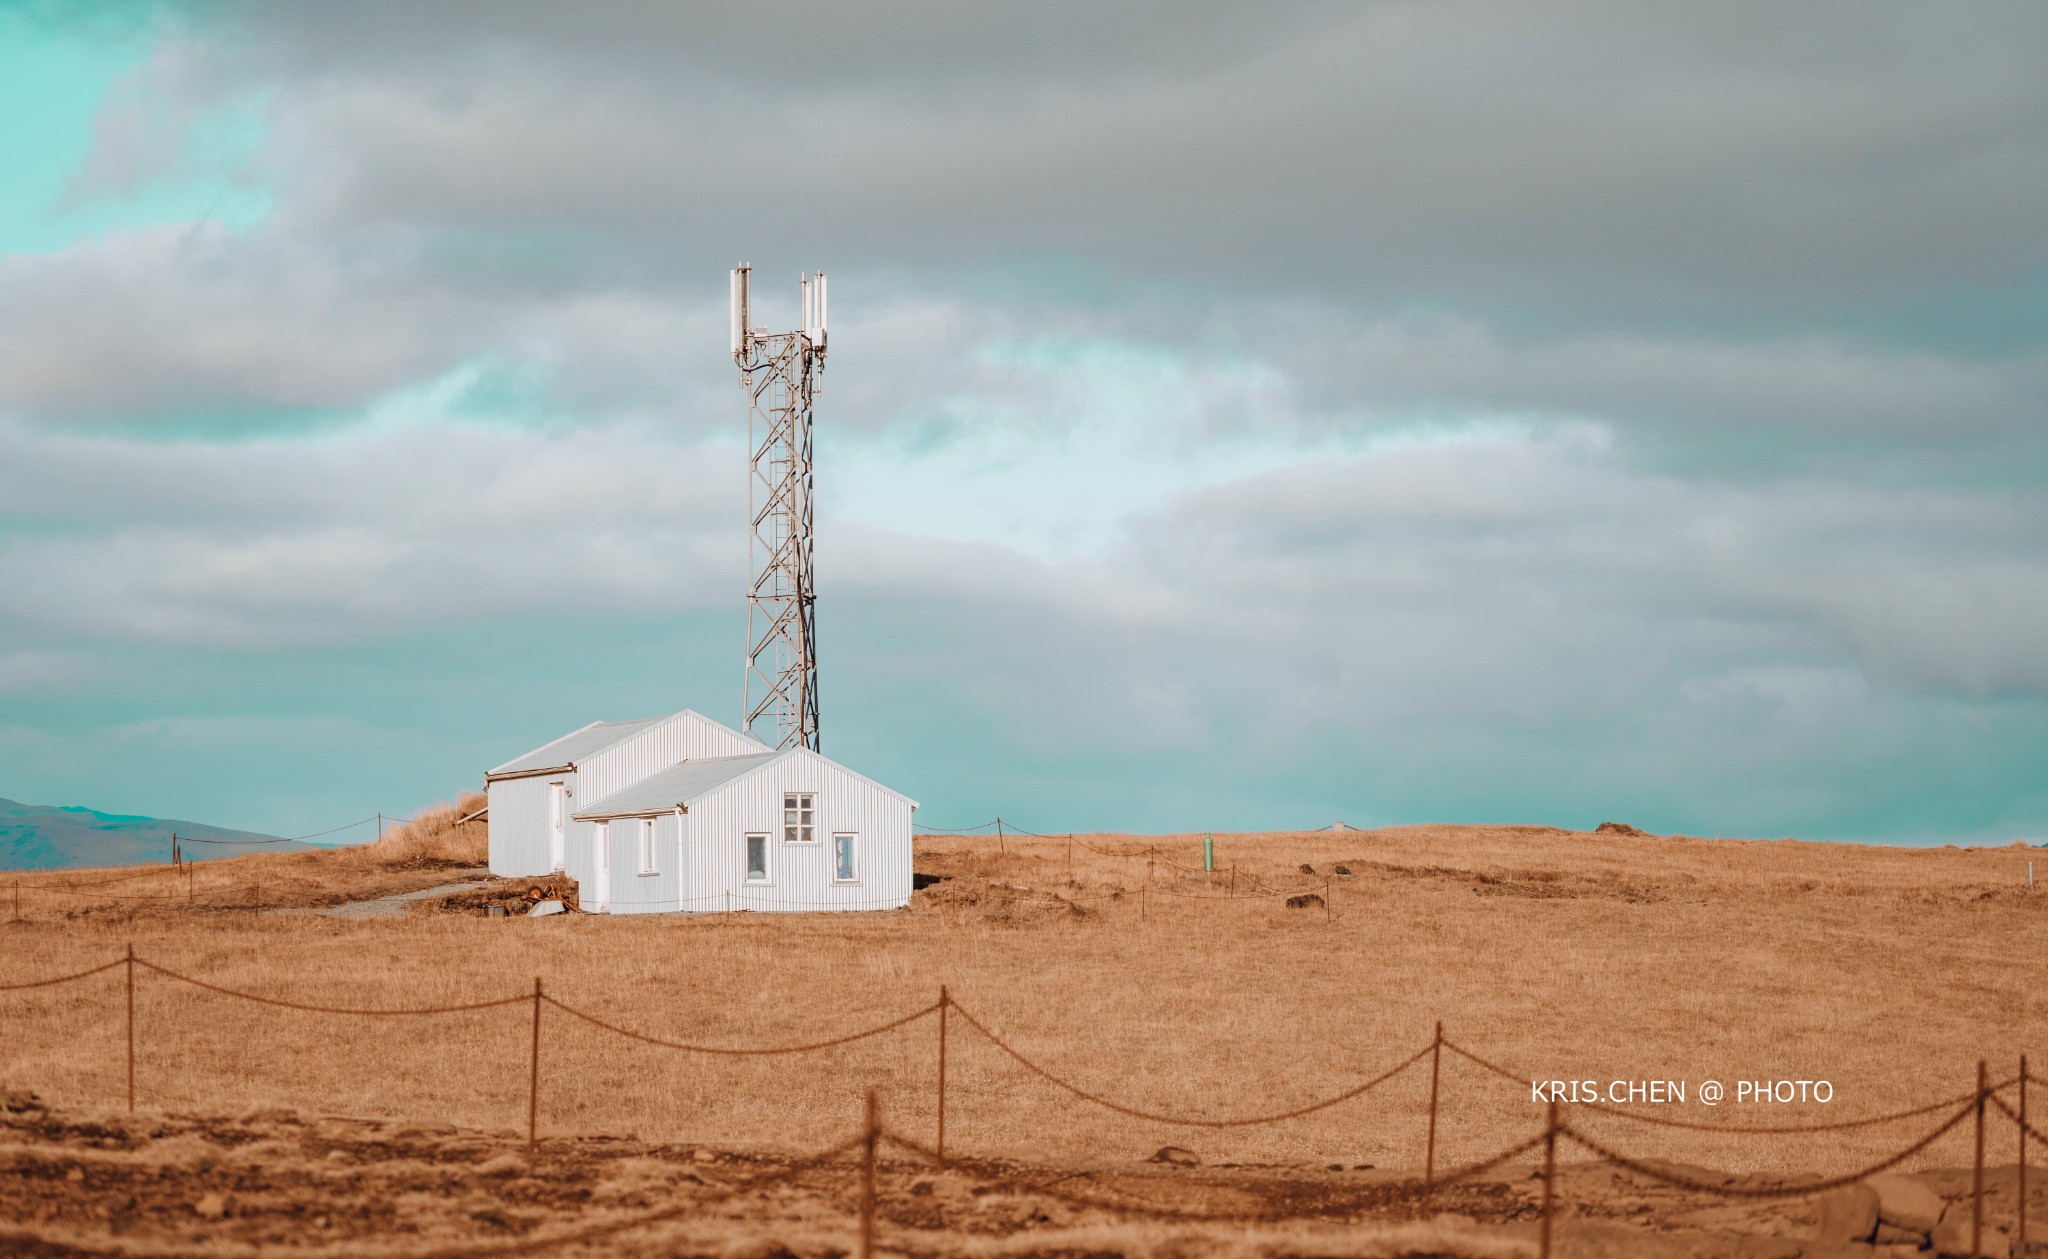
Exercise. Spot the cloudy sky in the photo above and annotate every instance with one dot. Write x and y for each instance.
(1237, 418)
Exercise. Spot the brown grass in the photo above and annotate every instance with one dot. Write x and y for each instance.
(1888, 972)
(429, 840)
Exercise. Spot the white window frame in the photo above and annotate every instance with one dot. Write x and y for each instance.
(767, 866)
(645, 837)
(804, 805)
(853, 855)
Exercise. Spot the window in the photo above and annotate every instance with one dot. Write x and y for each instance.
(647, 846)
(842, 858)
(757, 858)
(797, 817)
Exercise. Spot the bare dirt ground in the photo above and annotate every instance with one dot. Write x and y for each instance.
(277, 1181)
(1113, 962)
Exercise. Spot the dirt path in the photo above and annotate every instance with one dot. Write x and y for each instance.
(390, 906)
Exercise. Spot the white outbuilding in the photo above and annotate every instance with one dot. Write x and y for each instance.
(786, 831)
(683, 814)
(532, 798)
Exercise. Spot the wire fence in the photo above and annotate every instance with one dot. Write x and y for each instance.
(1986, 1098)
(176, 842)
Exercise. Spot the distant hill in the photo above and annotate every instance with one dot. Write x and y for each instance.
(42, 837)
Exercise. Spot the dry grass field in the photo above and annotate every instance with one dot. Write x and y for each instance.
(1114, 962)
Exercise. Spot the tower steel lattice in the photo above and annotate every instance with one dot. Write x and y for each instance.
(780, 372)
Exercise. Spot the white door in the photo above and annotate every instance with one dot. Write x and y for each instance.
(601, 877)
(558, 826)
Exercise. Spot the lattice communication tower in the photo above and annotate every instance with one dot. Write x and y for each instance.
(780, 371)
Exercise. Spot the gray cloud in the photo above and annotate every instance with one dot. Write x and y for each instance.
(269, 545)
(175, 319)
(1588, 158)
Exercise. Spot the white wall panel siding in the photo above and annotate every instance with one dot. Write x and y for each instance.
(799, 875)
(686, 736)
(700, 854)
(637, 893)
(604, 757)
(518, 824)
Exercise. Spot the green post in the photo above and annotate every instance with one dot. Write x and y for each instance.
(1208, 851)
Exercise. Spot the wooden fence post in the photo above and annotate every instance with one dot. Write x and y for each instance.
(1549, 1177)
(867, 1179)
(533, 1077)
(131, 1028)
(1436, 1048)
(2020, 1247)
(1977, 1174)
(1326, 900)
(945, 1004)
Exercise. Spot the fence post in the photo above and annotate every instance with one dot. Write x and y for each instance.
(1436, 1048)
(1326, 900)
(131, 1028)
(533, 1076)
(1977, 1174)
(867, 1179)
(1549, 1176)
(945, 1004)
(2021, 1247)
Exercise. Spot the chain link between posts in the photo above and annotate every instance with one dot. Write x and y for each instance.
(1985, 1096)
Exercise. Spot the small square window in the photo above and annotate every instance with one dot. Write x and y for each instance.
(797, 818)
(757, 858)
(842, 858)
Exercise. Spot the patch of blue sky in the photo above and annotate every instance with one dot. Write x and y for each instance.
(1074, 439)
(54, 83)
(488, 391)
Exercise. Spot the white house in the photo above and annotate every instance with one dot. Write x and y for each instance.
(531, 798)
(682, 813)
(788, 830)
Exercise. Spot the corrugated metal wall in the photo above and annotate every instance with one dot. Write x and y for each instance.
(637, 893)
(799, 875)
(684, 737)
(518, 824)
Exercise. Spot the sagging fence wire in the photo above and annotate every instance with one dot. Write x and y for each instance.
(1184, 1121)
(728, 1051)
(1985, 1098)
(1731, 1129)
(310, 1008)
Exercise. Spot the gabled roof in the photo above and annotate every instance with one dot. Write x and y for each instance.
(709, 721)
(678, 785)
(682, 785)
(572, 748)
